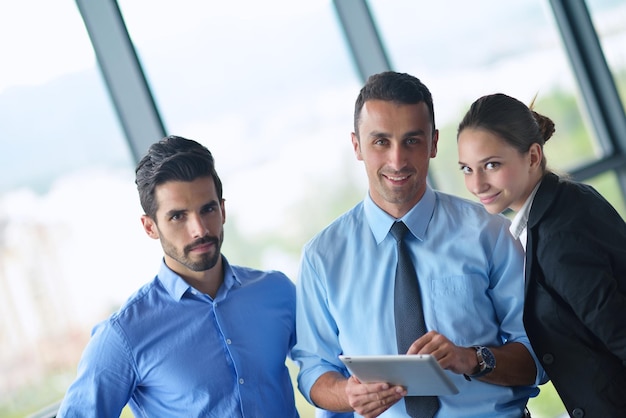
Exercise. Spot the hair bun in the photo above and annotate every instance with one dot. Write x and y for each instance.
(546, 126)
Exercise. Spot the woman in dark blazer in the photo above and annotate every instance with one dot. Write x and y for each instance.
(575, 241)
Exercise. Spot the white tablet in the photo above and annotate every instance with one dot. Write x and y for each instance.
(420, 374)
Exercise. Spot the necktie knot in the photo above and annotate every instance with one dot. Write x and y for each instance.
(398, 230)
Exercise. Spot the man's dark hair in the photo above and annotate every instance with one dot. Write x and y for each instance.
(395, 87)
(172, 159)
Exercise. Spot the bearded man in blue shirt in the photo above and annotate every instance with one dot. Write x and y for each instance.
(204, 338)
(469, 273)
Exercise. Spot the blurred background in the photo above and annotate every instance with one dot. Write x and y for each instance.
(269, 87)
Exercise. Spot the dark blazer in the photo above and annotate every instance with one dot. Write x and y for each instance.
(575, 309)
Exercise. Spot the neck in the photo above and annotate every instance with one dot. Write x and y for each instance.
(207, 281)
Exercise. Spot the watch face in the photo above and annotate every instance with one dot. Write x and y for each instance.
(488, 357)
(486, 362)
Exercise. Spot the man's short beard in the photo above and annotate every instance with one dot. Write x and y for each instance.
(206, 262)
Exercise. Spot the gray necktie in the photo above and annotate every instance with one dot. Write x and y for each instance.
(409, 318)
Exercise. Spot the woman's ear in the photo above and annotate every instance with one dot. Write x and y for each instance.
(536, 155)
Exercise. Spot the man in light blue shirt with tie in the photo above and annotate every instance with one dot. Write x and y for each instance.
(469, 273)
(204, 338)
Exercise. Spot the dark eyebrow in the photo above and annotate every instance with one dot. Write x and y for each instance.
(377, 134)
(171, 213)
(410, 134)
(419, 132)
(484, 160)
(212, 203)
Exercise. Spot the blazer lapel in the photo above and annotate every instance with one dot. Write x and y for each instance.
(543, 199)
(541, 204)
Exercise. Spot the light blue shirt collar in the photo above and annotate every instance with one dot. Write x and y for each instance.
(176, 286)
(417, 219)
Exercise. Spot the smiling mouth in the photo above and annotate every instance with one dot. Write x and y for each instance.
(396, 178)
(488, 199)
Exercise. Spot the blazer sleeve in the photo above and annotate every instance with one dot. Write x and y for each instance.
(580, 271)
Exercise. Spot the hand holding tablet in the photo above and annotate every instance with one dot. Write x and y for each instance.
(420, 374)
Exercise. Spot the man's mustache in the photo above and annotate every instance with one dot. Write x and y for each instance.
(204, 240)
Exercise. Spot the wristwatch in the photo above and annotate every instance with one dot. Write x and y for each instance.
(486, 362)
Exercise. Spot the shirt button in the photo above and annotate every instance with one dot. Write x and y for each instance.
(241, 381)
(228, 341)
(578, 413)
(548, 358)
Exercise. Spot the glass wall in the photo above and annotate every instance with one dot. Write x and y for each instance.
(64, 161)
(269, 88)
(608, 17)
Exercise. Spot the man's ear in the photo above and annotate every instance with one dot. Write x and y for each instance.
(435, 141)
(149, 225)
(357, 147)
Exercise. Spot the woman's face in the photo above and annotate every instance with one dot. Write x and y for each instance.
(495, 172)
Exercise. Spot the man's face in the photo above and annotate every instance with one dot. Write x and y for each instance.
(396, 143)
(189, 223)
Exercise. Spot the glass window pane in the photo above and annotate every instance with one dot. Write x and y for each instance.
(64, 160)
(514, 49)
(608, 186)
(608, 18)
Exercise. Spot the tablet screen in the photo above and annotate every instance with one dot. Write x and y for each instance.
(420, 374)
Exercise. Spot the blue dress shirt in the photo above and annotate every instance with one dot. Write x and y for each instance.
(171, 351)
(469, 270)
